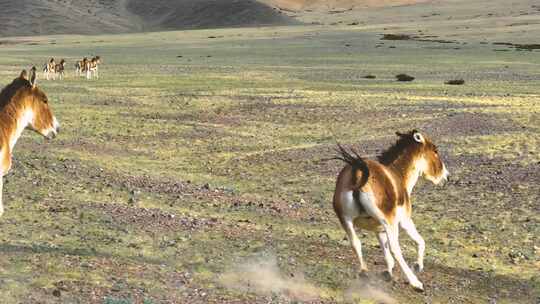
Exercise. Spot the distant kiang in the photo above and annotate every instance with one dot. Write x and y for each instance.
(376, 196)
(91, 67)
(48, 69)
(80, 66)
(59, 69)
(53, 69)
(22, 105)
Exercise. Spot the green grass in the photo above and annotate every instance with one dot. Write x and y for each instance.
(255, 121)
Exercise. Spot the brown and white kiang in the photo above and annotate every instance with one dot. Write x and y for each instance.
(375, 195)
(22, 105)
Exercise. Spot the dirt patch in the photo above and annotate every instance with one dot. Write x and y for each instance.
(267, 110)
(468, 124)
(494, 174)
(152, 220)
(102, 148)
(336, 6)
(308, 113)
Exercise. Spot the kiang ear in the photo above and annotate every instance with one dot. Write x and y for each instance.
(24, 75)
(418, 137)
(33, 76)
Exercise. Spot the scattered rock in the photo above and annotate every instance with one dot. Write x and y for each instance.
(404, 77)
(528, 47)
(455, 82)
(396, 37)
(519, 47)
(503, 43)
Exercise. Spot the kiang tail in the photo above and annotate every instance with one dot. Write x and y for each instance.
(352, 158)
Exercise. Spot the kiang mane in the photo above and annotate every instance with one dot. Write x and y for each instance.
(7, 94)
(396, 150)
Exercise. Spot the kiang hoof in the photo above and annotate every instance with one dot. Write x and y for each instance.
(418, 268)
(363, 274)
(418, 288)
(387, 276)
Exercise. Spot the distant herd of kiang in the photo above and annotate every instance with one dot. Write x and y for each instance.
(374, 195)
(85, 67)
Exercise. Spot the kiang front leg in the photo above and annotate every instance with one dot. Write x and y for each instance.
(392, 234)
(408, 225)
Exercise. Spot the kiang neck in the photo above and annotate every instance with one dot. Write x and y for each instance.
(13, 121)
(407, 168)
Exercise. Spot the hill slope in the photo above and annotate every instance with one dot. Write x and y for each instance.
(167, 14)
(46, 17)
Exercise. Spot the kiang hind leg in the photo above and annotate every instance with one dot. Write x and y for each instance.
(348, 225)
(385, 246)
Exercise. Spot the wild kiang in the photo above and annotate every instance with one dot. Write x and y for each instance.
(376, 195)
(22, 105)
(88, 67)
(53, 69)
(80, 66)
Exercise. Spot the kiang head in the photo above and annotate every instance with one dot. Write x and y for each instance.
(427, 157)
(37, 108)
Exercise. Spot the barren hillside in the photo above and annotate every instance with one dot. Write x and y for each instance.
(45, 17)
(440, 17)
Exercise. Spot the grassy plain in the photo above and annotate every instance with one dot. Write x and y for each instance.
(192, 156)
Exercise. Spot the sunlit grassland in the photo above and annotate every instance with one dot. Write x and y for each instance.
(254, 113)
